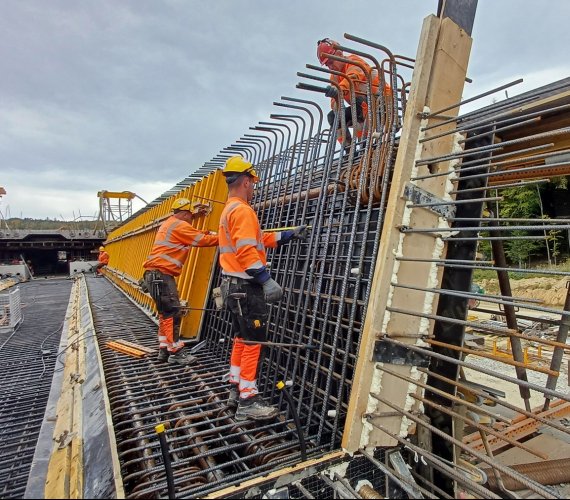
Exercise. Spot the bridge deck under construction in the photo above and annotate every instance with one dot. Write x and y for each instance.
(398, 381)
(209, 447)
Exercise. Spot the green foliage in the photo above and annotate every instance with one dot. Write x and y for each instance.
(520, 251)
(27, 223)
(521, 203)
(556, 236)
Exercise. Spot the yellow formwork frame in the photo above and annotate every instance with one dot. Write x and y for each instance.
(130, 244)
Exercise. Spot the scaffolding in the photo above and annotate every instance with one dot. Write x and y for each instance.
(114, 208)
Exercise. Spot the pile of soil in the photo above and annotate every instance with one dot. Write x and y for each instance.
(551, 291)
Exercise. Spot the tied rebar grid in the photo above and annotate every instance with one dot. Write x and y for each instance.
(495, 157)
(306, 179)
(208, 448)
(341, 193)
(27, 363)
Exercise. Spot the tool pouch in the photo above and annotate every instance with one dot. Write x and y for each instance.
(218, 296)
(142, 285)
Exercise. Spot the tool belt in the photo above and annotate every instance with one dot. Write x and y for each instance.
(152, 280)
(234, 280)
(221, 293)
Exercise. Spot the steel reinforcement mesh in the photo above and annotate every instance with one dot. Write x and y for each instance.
(209, 449)
(27, 363)
(306, 178)
(326, 281)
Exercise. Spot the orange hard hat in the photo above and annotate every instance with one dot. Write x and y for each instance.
(325, 47)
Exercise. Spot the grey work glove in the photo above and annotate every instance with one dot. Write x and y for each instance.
(297, 233)
(300, 233)
(331, 91)
(272, 291)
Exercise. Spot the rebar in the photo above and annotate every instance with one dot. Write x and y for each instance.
(306, 177)
(28, 360)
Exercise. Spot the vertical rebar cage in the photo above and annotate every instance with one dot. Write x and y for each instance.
(340, 194)
(306, 178)
(455, 167)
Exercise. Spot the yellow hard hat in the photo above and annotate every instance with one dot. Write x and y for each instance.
(237, 165)
(182, 204)
(101, 249)
(194, 207)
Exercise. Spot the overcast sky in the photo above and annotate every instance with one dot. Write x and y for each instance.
(136, 94)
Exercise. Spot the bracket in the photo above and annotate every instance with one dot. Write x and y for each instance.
(397, 461)
(420, 196)
(386, 352)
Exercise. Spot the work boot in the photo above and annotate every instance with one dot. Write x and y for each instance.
(182, 357)
(254, 408)
(162, 355)
(233, 396)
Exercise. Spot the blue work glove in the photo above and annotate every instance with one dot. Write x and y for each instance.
(260, 275)
(298, 233)
(273, 292)
(331, 91)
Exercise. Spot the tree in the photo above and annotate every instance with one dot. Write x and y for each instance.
(520, 202)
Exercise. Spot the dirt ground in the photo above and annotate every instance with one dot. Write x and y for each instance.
(551, 291)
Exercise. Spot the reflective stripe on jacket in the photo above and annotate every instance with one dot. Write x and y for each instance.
(172, 243)
(358, 77)
(103, 258)
(242, 244)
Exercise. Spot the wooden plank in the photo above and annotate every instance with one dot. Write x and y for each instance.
(64, 477)
(439, 74)
(76, 454)
(134, 345)
(58, 473)
(130, 351)
(233, 490)
(390, 235)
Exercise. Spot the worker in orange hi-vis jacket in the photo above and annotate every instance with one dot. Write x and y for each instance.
(247, 287)
(102, 259)
(173, 241)
(354, 71)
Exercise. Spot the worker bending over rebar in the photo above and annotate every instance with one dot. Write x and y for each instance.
(247, 286)
(355, 69)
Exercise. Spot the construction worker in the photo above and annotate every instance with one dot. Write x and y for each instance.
(247, 287)
(356, 74)
(173, 240)
(103, 260)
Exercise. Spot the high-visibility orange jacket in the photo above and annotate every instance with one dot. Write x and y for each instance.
(357, 75)
(103, 257)
(172, 244)
(242, 244)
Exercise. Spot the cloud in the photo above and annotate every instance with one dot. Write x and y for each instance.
(108, 95)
